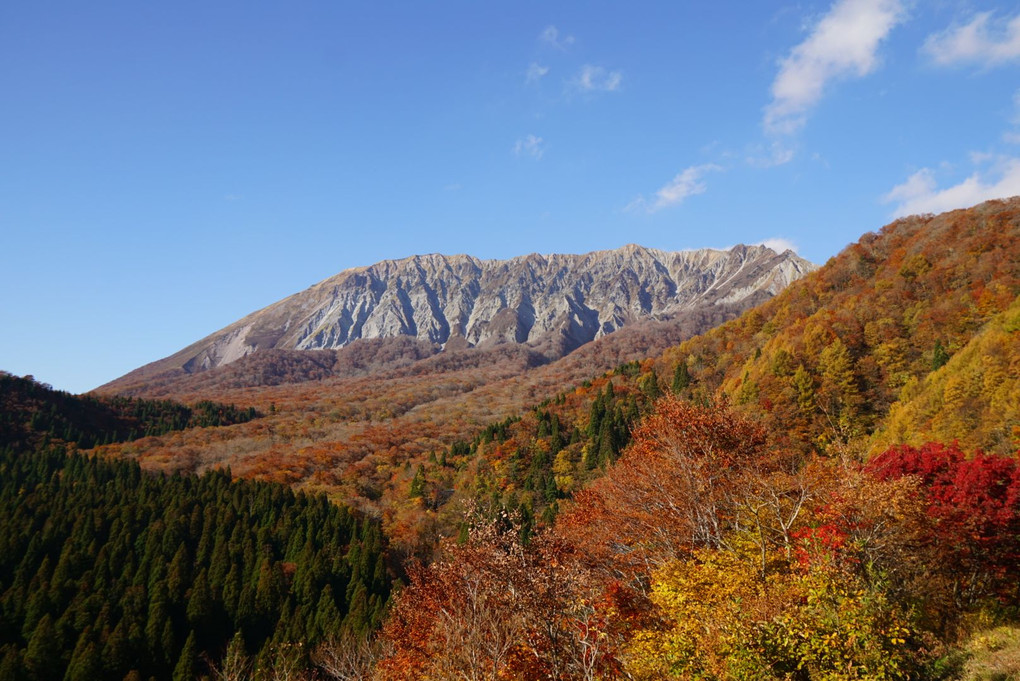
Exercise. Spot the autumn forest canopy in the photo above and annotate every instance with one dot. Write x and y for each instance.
(825, 487)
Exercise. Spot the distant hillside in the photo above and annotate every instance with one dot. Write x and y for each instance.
(32, 414)
(553, 304)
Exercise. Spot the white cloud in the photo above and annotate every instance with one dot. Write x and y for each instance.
(843, 43)
(985, 40)
(920, 193)
(597, 79)
(688, 182)
(535, 72)
(778, 244)
(551, 36)
(529, 145)
(776, 154)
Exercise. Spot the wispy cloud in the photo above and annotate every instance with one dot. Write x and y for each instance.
(529, 145)
(844, 43)
(778, 244)
(597, 79)
(535, 72)
(920, 192)
(551, 36)
(984, 40)
(688, 182)
(775, 154)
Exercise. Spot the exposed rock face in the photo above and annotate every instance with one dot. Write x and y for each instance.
(555, 302)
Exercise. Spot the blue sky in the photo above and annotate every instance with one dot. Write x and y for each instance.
(166, 168)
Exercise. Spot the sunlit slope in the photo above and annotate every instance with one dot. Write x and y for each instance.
(974, 398)
(825, 360)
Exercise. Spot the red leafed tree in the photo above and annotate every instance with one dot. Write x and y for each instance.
(493, 608)
(975, 503)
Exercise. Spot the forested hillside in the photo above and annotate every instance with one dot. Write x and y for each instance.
(110, 572)
(707, 551)
(973, 398)
(33, 413)
(824, 361)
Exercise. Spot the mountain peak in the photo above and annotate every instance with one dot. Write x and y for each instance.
(555, 303)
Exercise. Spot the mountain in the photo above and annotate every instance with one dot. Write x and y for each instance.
(553, 304)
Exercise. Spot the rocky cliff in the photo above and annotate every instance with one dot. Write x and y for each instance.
(554, 303)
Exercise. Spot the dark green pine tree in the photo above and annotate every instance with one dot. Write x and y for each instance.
(42, 657)
(116, 651)
(327, 616)
(168, 643)
(158, 619)
(86, 663)
(269, 590)
(607, 448)
(649, 386)
(556, 436)
(681, 377)
(185, 668)
(596, 413)
(178, 575)
(356, 620)
(418, 483)
(200, 602)
(11, 668)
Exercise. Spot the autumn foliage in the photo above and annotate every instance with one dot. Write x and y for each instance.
(974, 502)
(677, 488)
(495, 608)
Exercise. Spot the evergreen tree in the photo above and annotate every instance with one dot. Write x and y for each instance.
(681, 377)
(11, 668)
(86, 663)
(185, 668)
(418, 483)
(43, 655)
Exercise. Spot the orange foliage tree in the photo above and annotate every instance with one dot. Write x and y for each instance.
(680, 486)
(494, 608)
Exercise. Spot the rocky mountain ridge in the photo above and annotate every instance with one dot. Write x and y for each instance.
(553, 303)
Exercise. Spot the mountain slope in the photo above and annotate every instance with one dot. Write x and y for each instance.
(553, 303)
(825, 360)
(974, 399)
